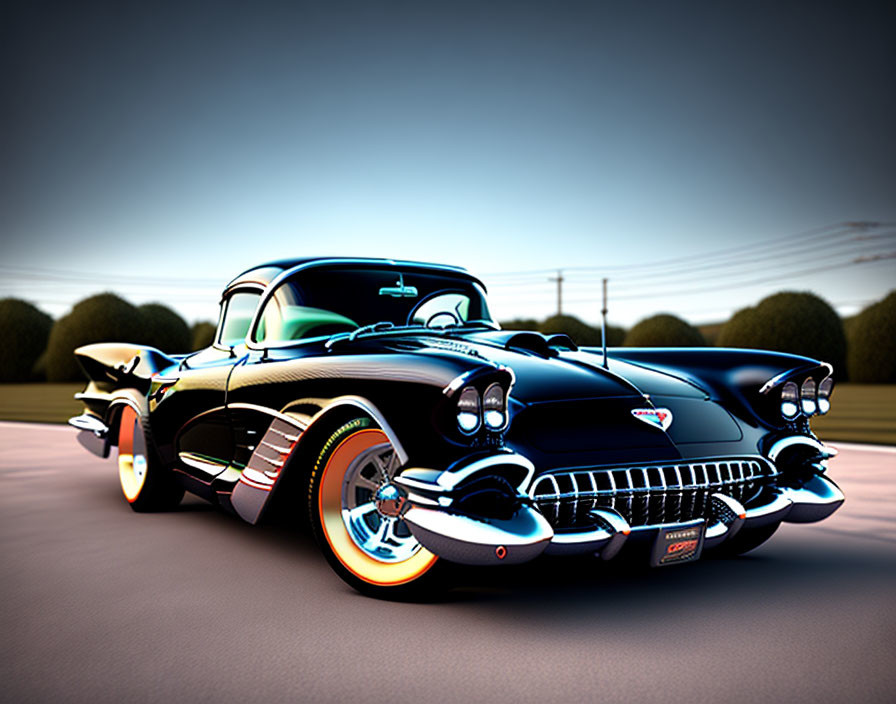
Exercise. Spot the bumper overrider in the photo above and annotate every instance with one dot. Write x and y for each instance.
(479, 511)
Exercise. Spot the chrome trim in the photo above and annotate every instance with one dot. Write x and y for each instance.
(826, 451)
(730, 519)
(481, 541)
(815, 500)
(457, 382)
(647, 494)
(478, 414)
(89, 422)
(213, 468)
(605, 540)
(449, 479)
(773, 512)
(796, 371)
(277, 448)
(505, 407)
(93, 434)
(225, 294)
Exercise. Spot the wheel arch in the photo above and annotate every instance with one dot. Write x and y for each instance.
(113, 412)
(332, 414)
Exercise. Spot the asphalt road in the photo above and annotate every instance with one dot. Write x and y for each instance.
(100, 604)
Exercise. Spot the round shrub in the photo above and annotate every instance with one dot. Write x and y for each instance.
(24, 331)
(203, 334)
(871, 354)
(664, 330)
(520, 324)
(101, 318)
(163, 329)
(798, 323)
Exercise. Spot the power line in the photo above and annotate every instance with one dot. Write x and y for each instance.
(762, 280)
(727, 270)
(820, 233)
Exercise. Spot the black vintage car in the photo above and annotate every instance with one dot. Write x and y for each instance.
(381, 399)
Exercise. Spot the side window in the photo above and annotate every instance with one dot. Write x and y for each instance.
(239, 310)
(285, 319)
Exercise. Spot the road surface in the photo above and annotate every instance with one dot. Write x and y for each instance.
(104, 605)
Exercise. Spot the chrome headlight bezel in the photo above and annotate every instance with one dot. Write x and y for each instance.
(469, 411)
(790, 401)
(824, 395)
(494, 407)
(808, 397)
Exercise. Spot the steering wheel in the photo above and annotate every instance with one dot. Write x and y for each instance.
(453, 319)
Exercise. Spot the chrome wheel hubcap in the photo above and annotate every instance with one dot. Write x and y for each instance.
(372, 506)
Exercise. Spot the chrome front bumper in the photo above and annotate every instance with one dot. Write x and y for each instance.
(814, 500)
(458, 537)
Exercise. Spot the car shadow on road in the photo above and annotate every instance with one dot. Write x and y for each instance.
(789, 564)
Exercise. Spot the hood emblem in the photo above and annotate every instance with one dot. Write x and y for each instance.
(659, 417)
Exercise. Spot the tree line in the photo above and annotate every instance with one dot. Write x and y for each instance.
(861, 348)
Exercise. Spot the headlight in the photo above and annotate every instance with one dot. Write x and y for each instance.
(468, 410)
(494, 411)
(824, 395)
(808, 398)
(790, 399)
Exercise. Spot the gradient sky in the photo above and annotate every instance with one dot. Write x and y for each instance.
(158, 152)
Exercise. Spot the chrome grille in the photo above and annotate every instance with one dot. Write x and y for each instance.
(649, 494)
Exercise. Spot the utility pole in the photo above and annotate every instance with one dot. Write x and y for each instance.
(559, 280)
(603, 326)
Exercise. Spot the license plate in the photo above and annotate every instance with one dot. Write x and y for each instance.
(674, 545)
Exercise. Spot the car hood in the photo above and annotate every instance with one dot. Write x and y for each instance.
(565, 401)
(548, 374)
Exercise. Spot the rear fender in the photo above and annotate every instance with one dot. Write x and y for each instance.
(118, 372)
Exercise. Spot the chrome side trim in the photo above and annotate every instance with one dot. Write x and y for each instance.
(826, 451)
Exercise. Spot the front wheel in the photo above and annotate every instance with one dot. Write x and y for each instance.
(145, 482)
(356, 515)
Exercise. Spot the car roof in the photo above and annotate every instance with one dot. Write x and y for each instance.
(263, 274)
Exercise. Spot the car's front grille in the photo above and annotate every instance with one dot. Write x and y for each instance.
(647, 494)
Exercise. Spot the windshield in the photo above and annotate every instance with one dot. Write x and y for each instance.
(325, 301)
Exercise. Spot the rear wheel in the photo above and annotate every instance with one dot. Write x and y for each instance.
(145, 482)
(356, 514)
